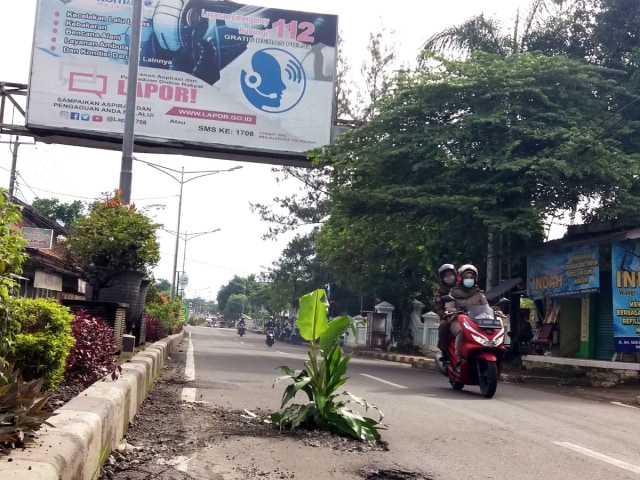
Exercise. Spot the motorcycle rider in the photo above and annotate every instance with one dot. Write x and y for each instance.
(466, 294)
(448, 279)
(241, 324)
(269, 326)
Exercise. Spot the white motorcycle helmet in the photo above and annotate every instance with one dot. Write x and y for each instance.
(468, 268)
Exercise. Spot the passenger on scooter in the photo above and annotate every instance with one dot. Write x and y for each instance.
(465, 295)
(447, 280)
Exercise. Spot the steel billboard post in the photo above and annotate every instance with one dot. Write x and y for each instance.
(126, 166)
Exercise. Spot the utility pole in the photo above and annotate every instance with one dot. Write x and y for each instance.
(14, 165)
(175, 255)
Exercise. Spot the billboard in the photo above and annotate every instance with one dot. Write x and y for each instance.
(572, 271)
(625, 270)
(212, 73)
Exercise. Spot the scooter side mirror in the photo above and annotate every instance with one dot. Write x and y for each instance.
(503, 301)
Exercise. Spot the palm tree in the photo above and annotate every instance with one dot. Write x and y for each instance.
(546, 27)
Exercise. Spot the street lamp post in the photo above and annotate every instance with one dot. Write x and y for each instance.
(185, 238)
(182, 181)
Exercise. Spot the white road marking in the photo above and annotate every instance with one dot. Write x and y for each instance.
(620, 404)
(190, 367)
(383, 381)
(599, 456)
(189, 395)
(283, 353)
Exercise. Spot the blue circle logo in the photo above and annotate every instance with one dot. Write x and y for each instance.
(275, 82)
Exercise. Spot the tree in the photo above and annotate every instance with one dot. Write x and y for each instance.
(272, 297)
(113, 238)
(553, 27)
(63, 213)
(12, 256)
(236, 286)
(486, 143)
(615, 27)
(355, 105)
(163, 285)
(236, 305)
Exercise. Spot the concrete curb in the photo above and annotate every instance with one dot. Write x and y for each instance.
(425, 363)
(93, 421)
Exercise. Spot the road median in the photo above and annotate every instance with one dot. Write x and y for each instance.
(90, 425)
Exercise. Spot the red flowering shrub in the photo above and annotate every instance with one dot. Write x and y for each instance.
(92, 356)
(155, 331)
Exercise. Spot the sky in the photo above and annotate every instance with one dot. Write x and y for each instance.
(219, 201)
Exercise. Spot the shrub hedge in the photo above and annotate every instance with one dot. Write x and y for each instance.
(92, 356)
(41, 347)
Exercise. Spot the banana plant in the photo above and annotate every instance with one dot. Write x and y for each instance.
(321, 378)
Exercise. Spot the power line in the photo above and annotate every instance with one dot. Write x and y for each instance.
(212, 265)
(58, 193)
(51, 161)
(79, 196)
(27, 185)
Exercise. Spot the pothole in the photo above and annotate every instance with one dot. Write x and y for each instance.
(392, 474)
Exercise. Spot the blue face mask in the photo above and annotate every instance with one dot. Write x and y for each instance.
(468, 282)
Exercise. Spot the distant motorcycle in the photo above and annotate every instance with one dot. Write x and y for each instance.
(284, 334)
(271, 337)
(295, 338)
(241, 330)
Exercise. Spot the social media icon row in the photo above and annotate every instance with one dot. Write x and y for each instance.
(84, 117)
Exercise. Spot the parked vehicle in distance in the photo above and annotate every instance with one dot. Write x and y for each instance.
(221, 324)
(209, 322)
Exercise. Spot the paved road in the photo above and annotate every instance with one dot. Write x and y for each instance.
(521, 433)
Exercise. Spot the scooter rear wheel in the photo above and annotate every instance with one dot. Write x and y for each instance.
(456, 385)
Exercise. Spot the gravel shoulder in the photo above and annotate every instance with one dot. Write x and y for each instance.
(174, 440)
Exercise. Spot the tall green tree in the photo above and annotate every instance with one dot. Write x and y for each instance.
(63, 213)
(236, 305)
(236, 286)
(12, 256)
(486, 143)
(553, 27)
(163, 285)
(298, 269)
(355, 104)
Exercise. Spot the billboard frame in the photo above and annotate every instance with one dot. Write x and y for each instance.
(11, 92)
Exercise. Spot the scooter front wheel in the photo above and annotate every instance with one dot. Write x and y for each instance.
(487, 378)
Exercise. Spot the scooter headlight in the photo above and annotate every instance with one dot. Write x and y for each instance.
(482, 341)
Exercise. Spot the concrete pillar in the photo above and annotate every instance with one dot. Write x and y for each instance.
(417, 327)
(387, 309)
(431, 322)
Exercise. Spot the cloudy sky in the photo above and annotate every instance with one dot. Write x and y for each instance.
(221, 200)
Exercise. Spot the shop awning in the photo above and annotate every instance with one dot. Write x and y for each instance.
(500, 290)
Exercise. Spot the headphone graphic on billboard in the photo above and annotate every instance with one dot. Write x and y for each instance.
(275, 82)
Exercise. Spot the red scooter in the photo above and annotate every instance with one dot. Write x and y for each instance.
(482, 350)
